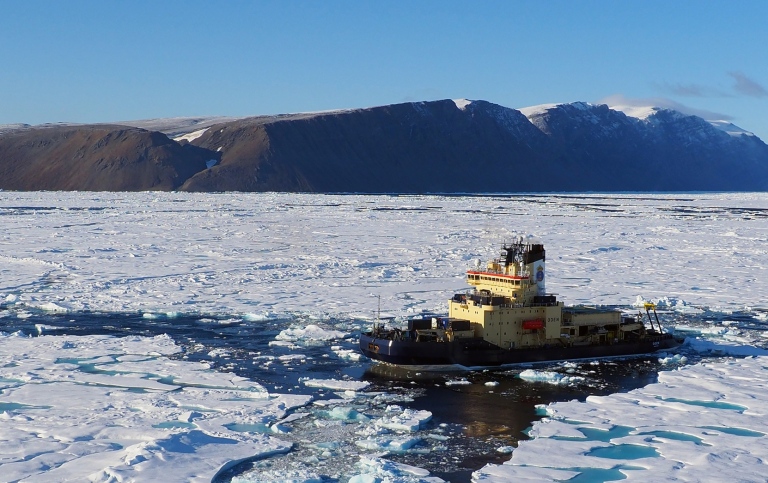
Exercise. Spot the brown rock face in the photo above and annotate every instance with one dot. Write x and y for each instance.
(421, 147)
(478, 148)
(95, 158)
(406, 148)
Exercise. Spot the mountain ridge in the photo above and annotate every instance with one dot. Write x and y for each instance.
(431, 146)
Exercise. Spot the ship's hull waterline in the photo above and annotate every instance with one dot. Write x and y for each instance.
(476, 353)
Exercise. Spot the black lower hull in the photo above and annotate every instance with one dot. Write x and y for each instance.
(478, 353)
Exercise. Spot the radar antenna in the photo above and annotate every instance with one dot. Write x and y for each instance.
(513, 253)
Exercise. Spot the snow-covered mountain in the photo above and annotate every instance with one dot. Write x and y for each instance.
(437, 146)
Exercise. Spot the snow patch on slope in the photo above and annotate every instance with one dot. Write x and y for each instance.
(532, 111)
(642, 113)
(645, 113)
(191, 136)
(731, 128)
(462, 103)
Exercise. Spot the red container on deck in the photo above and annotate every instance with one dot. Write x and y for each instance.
(533, 324)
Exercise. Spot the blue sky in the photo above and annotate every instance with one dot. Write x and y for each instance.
(96, 61)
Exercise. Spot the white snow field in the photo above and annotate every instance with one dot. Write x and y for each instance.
(99, 408)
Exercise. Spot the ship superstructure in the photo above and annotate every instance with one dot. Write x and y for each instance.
(507, 317)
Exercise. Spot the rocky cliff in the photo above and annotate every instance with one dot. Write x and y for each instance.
(440, 146)
(95, 158)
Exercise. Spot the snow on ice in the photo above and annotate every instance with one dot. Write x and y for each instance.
(698, 423)
(122, 409)
(96, 408)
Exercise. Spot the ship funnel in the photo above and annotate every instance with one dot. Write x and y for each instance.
(534, 259)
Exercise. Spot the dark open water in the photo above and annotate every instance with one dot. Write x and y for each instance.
(479, 417)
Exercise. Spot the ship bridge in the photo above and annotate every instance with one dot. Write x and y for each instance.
(518, 274)
(510, 286)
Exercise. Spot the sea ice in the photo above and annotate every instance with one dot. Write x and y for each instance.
(698, 423)
(550, 377)
(408, 420)
(123, 422)
(310, 332)
(282, 253)
(375, 470)
(458, 382)
(393, 443)
(120, 404)
(336, 385)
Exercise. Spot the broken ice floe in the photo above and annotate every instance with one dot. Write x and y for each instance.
(310, 333)
(335, 385)
(116, 415)
(550, 377)
(698, 423)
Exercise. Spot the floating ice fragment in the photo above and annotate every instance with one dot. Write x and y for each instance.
(377, 470)
(723, 347)
(458, 382)
(438, 437)
(280, 476)
(408, 420)
(292, 357)
(279, 428)
(336, 385)
(550, 377)
(259, 317)
(348, 354)
(52, 307)
(393, 443)
(309, 333)
(219, 352)
(344, 413)
(677, 359)
(282, 343)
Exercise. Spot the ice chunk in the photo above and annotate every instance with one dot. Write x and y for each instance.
(336, 385)
(408, 420)
(309, 333)
(347, 354)
(52, 307)
(458, 382)
(394, 443)
(376, 470)
(344, 413)
(550, 377)
(280, 476)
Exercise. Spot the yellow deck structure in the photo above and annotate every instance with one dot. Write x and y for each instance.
(508, 306)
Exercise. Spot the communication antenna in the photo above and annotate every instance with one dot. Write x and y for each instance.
(648, 308)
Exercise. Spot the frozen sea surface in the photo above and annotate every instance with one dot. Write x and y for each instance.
(262, 254)
(212, 337)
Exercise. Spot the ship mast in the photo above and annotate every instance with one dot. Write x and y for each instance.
(513, 253)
